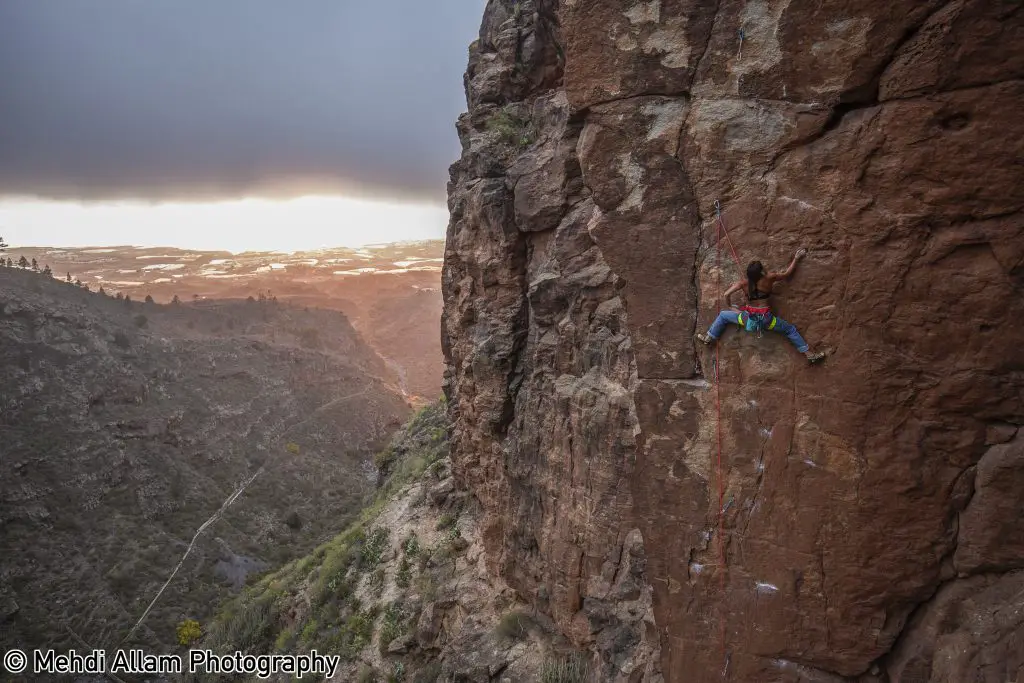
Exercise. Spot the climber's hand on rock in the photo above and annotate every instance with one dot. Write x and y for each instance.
(800, 253)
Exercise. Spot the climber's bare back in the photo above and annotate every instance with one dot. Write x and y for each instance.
(764, 286)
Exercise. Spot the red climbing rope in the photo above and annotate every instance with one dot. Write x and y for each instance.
(718, 424)
(721, 231)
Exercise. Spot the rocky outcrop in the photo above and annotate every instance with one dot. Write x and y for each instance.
(859, 522)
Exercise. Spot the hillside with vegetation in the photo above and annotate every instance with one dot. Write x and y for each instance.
(403, 593)
(129, 425)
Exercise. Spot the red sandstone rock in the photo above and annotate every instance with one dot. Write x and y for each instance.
(872, 519)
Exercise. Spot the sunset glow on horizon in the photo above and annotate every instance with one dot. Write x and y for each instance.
(253, 224)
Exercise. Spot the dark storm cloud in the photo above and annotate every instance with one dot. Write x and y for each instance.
(188, 99)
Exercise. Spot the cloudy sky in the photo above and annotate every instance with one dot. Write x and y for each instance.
(202, 107)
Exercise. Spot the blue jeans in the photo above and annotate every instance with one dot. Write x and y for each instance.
(726, 317)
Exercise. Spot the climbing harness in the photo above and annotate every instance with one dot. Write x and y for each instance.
(756, 320)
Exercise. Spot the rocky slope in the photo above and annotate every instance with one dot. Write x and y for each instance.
(404, 594)
(125, 426)
(862, 520)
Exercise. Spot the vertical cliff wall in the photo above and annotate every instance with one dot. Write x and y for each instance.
(871, 520)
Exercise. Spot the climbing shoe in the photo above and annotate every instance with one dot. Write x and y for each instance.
(816, 357)
(705, 339)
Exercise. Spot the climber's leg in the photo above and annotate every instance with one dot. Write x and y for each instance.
(789, 329)
(718, 327)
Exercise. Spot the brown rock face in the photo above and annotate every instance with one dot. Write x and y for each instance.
(871, 506)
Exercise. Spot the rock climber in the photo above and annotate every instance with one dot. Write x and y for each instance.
(757, 315)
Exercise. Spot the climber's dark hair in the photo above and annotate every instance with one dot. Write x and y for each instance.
(755, 271)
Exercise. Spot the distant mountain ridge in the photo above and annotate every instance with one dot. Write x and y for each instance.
(390, 292)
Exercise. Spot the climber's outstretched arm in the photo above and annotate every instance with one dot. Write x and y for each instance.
(733, 288)
(788, 272)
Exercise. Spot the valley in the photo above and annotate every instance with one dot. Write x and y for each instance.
(128, 425)
(390, 292)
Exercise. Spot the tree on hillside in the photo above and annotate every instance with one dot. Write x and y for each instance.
(127, 300)
(47, 272)
(35, 264)
(10, 263)
(149, 299)
(119, 297)
(23, 262)
(103, 292)
(175, 301)
(78, 283)
(3, 245)
(69, 276)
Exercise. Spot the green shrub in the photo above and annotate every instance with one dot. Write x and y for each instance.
(250, 628)
(572, 669)
(330, 613)
(512, 131)
(285, 640)
(374, 545)
(447, 521)
(404, 573)
(384, 459)
(393, 625)
(309, 632)
(353, 635)
(360, 626)
(188, 632)
(411, 547)
(336, 587)
(332, 583)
